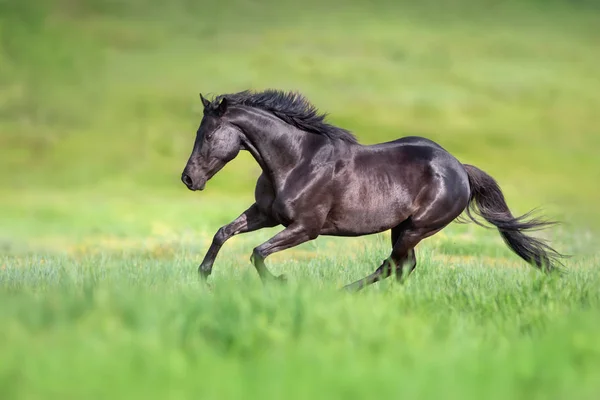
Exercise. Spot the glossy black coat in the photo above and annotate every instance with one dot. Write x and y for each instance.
(318, 180)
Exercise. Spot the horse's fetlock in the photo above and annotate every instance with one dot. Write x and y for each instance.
(204, 271)
(257, 255)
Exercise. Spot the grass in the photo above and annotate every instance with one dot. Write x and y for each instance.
(103, 301)
(99, 241)
(119, 330)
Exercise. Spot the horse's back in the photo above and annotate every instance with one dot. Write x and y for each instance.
(424, 151)
(406, 151)
(411, 141)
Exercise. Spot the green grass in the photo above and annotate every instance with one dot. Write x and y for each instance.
(102, 300)
(99, 240)
(137, 327)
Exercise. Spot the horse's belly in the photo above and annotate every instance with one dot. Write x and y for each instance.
(364, 219)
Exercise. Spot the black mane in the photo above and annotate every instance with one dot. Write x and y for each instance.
(291, 107)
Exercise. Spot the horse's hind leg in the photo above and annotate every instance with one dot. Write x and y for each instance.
(402, 260)
(402, 255)
(404, 268)
(380, 273)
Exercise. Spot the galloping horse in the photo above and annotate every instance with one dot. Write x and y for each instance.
(318, 180)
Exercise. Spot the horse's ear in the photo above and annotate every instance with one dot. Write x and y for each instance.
(205, 102)
(223, 106)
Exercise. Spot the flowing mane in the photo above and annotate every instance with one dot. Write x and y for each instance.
(291, 107)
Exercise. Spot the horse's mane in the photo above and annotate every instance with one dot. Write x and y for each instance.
(291, 107)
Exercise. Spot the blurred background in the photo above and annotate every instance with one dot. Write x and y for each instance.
(99, 98)
(100, 239)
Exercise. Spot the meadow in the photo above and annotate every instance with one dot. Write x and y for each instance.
(100, 241)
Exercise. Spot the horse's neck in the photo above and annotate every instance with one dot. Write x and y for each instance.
(274, 144)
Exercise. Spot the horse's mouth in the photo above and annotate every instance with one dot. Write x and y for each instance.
(197, 188)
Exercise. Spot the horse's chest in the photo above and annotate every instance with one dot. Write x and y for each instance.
(298, 197)
(282, 210)
(271, 203)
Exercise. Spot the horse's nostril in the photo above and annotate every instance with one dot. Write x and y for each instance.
(187, 180)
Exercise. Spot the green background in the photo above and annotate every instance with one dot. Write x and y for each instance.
(99, 239)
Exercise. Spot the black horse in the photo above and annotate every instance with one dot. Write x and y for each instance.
(318, 180)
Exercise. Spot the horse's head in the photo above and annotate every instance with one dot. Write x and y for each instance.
(217, 142)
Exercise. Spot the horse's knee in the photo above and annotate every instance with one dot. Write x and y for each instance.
(221, 236)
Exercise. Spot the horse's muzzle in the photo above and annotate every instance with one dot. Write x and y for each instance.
(187, 180)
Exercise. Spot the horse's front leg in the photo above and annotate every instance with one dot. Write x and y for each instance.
(250, 220)
(291, 236)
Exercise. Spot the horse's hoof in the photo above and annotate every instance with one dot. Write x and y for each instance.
(352, 287)
(203, 277)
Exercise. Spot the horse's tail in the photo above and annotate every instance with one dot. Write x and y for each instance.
(488, 202)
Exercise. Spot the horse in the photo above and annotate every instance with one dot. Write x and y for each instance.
(318, 180)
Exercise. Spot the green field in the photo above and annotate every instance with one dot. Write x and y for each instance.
(100, 241)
